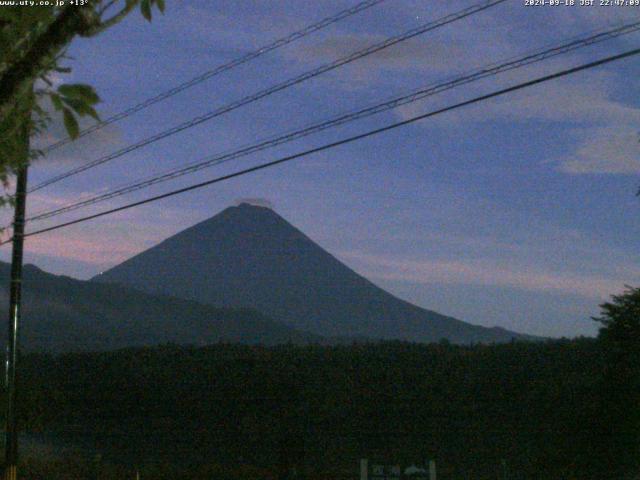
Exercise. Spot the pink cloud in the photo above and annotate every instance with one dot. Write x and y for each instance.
(482, 272)
(92, 250)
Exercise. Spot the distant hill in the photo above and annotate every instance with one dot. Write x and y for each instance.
(249, 256)
(63, 314)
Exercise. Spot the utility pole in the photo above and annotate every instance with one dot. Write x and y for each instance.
(11, 431)
(432, 470)
(364, 469)
(503, 463)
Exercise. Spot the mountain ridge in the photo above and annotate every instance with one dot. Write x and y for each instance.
(62, 314)
(250, 256)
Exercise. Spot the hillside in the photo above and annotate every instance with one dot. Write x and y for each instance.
(62, 314)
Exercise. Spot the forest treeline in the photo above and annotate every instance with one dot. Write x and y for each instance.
(555, 410)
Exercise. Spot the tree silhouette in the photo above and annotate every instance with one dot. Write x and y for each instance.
(619, 409)
(33, 43)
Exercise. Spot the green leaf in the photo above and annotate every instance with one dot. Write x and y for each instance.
(71, 124)
(145, 8)
(57, 101)
(81, 107)
(160, 5)
(76, 104)
(81, 92)
(92, 113)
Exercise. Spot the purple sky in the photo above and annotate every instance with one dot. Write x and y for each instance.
(518, 212)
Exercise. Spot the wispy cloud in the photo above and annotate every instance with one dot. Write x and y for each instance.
(603, 132)
(605, 149)
(104, 242)
(410, 55)
(79, 151)
(481, 272)
(90, 249)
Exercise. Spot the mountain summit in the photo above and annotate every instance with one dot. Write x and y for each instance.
(249, 256)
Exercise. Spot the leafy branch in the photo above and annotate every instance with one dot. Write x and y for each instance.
(32, 45)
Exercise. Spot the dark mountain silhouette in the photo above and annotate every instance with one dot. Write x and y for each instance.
(63, 314)
(249, 256)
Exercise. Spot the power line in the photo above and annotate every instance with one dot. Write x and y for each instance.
(490, 70)
(344, 141)
(220, 69)
(276, 88)
(277, 140)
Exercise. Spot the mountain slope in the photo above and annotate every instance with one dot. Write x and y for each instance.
(250, 256)
(63, 314)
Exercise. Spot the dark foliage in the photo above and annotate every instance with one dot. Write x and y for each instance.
(231, 408)
(619, 397)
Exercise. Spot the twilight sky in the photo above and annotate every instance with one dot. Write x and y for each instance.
(518, 212)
